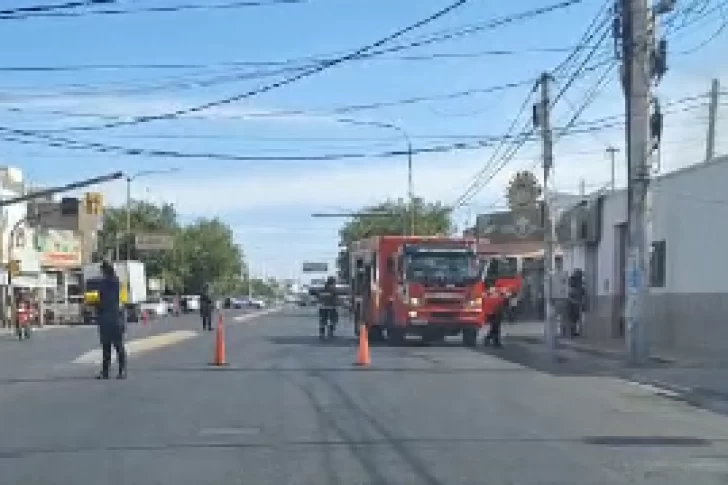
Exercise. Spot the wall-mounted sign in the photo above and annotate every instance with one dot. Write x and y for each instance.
(153, 242)
(508, 227)
(315, 267)
(59, 248)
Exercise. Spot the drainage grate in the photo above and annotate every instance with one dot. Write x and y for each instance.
(646, 441)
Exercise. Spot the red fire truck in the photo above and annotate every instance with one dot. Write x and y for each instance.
(417, 285)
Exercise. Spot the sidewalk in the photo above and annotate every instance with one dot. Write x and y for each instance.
(701, 382)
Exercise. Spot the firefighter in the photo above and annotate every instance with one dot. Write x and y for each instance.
(111, 324)
(206, 306)
(328, 313)
(494, 332)
(576, 302)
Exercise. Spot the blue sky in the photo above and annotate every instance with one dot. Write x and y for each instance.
(269, 203)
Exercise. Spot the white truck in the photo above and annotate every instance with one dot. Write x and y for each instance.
(133, 288)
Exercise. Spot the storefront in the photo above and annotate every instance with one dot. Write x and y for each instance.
(60, 259)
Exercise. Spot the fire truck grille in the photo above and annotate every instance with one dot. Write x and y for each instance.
(450, 302)
(448, 315)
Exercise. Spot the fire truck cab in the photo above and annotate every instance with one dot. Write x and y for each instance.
(412, 285)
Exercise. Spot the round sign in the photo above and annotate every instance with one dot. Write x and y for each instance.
(523, 190)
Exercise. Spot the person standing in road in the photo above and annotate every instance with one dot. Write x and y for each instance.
(111, 325)
(328, 313)
(206, 306)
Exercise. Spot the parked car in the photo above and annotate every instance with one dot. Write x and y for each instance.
(257, 303)
(156, 307)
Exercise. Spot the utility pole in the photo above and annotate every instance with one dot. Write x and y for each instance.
(411, 188)
(542, 119)
(712, 115)
(612, 151)
(644, 62)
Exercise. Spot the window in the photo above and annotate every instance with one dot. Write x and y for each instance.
(658, 260)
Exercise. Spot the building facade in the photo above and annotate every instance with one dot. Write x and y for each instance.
(688, 296)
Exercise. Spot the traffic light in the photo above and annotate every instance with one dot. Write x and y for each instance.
(99, 203)
(69, 206)
(94, 203)
(14, 267)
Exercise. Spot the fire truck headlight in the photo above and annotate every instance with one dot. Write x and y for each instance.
(475, 303)
(414, 301)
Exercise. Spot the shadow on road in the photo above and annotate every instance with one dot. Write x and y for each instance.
(523, 352)
(312, 339)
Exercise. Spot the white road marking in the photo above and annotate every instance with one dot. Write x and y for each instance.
(140, 345)
(250, 316)
(660, 391)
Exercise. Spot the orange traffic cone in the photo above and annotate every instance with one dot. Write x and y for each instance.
(219, 359)
(363, 357)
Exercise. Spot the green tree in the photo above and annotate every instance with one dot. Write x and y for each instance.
(205, 253)
(430, 219)
(145, 218)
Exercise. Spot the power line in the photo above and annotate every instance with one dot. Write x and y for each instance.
(59, 11)
(516, 140)
(329, 111)
(369, 50)
(480, 179)
(307, 73)
(247, 64)
(34, 9)
(19, 135)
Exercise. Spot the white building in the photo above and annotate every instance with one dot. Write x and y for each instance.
(688, 301)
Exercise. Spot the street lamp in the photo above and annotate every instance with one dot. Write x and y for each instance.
(129, 179)
(410, 182)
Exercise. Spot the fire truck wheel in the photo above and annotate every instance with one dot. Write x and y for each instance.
(470, 337)
(396, 335)
(376, 334)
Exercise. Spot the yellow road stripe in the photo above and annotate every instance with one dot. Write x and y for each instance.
(141, 345)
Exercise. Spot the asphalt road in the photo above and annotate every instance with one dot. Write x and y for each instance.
(292, 410)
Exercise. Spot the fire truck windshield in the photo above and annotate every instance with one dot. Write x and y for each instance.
(446, 267)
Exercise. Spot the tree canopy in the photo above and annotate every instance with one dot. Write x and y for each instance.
(204, 250)
(430, 219)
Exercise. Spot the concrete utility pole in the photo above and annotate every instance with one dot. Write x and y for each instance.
(712, 115)
(644, 59)
(612, 151)
(543, 120)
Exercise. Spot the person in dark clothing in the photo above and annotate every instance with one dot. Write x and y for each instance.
(494, 332)
(328, 313)
(576, 301)
(206, 306)
(111, 326)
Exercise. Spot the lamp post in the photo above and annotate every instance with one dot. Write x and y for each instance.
(129, 179)
(410, 181)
